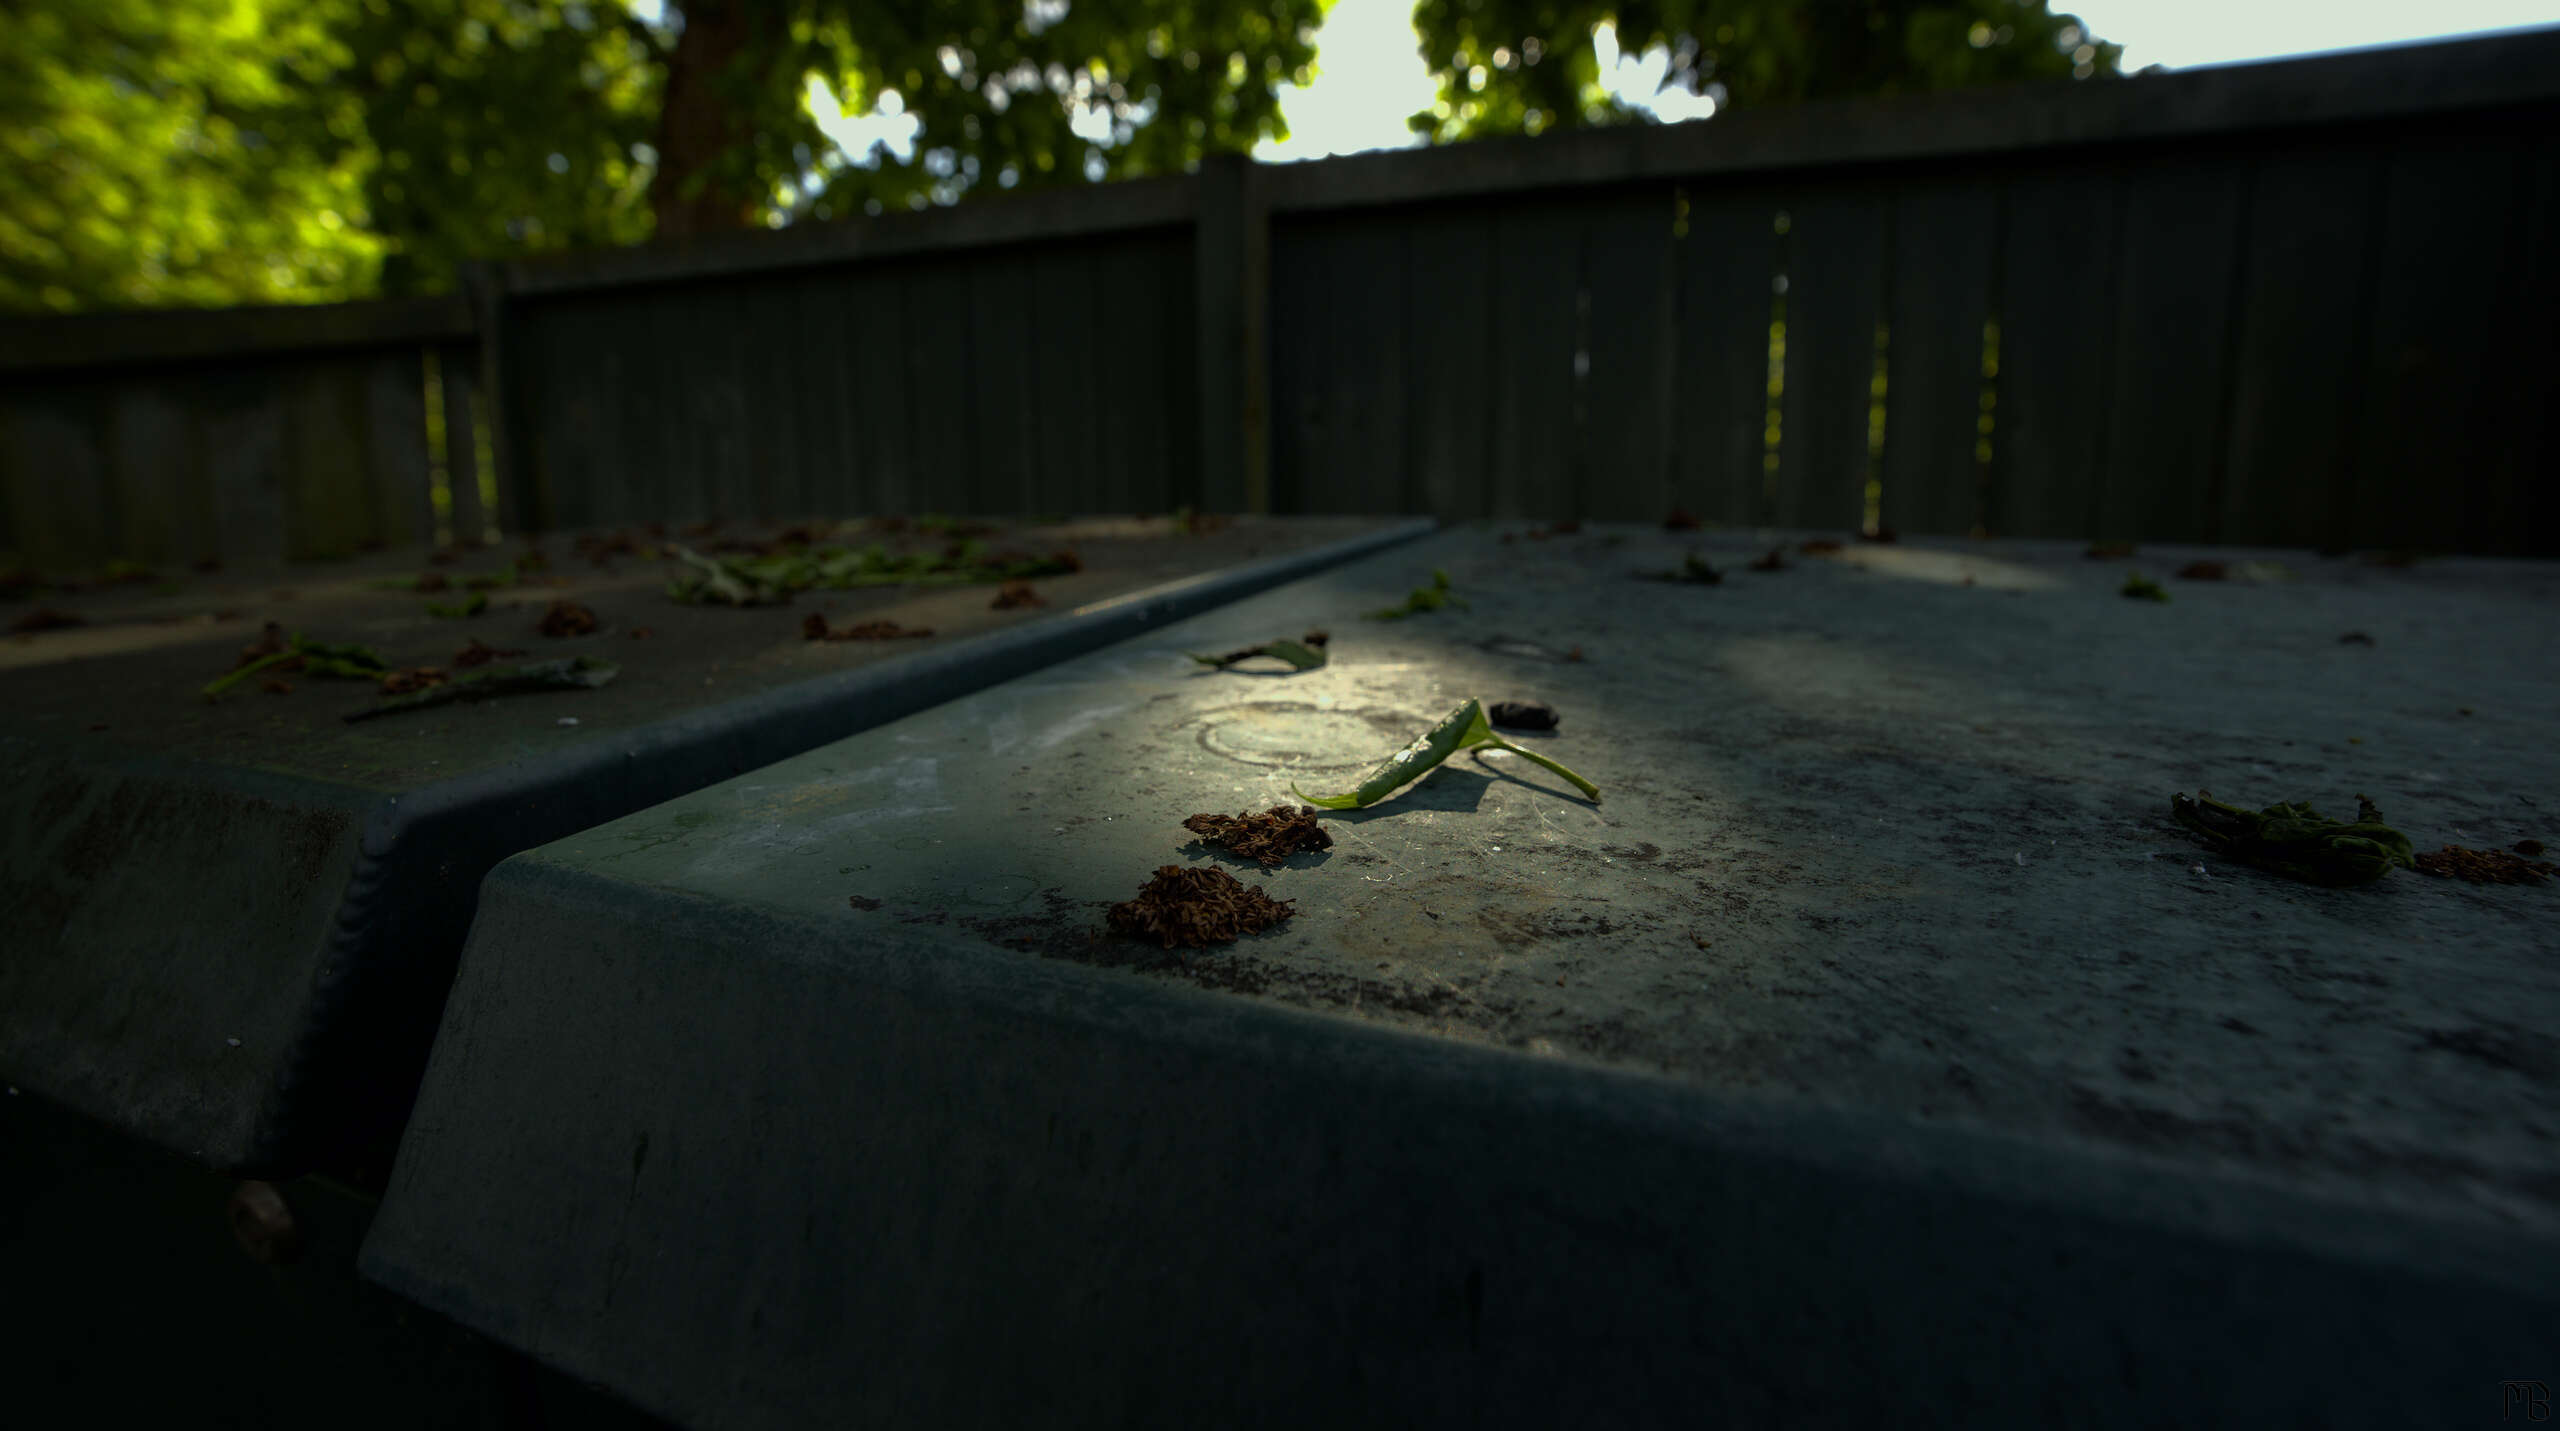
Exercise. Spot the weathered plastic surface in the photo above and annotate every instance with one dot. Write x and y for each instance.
(1879, 1044)
(230, 926)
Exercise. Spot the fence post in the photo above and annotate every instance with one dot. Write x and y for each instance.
(1231, 247)
(486, 285)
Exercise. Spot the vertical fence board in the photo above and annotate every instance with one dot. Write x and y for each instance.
(1726, 264)
(1629, 344)
(648, 414)
(327, 510)
(2523, 356)
(404, 511)
(2433, 433)
(874, 322)
(2057, 321)
(938, 373)
(154, 473)
(1339, 367)
(1002, 385)
(2294, 375)
(1372, 309)
(458, 374)
(243, 427)
(618, 339)
(1835, 292)
(556, 368)
(765, 334)
(715, 377)
(1537, 288)
(2166, 415)
(1448, 376)
(1119, 284)
(1147, 434)
(1364, 463)
(823, 384)
(1944, 238)
(1300, 331)
(58, 497)
(1067, 349)
(1174, 411)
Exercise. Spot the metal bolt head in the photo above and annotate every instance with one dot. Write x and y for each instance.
(264, 1224)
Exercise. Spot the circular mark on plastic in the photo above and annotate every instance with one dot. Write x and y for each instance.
(1306, 737)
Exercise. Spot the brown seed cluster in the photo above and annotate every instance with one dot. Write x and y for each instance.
(2486, 866)
(567, 618)
(1267, 838)
(1196, 908)
(814, 627)
(1017, 593)
(478, 654)
(415, 678)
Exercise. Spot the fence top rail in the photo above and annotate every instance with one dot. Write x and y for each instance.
(1045, 215)
(2360, 86)
(58, 343)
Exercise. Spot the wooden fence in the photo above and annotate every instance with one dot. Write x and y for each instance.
(2309, 303)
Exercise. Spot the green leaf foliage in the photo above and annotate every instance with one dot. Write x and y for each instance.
(1527, 66)
(177, 152)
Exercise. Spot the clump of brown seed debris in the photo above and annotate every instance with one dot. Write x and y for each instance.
(1267, 838)
(480, 654)
(1196, 908)
(814, 627)
(567, 618)
(415, 678)
(2485, 866)
(1017, 593)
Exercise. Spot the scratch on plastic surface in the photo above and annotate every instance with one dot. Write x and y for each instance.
(1004, 732)
(915, 790)
(1076, 725)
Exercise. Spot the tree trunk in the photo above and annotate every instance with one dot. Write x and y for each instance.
(698, 123)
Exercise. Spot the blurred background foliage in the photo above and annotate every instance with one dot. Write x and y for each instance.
(1527, 66)
(209, 152)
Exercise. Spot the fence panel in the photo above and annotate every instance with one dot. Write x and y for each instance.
(397, 471)
(1537, 267)
(1727, 265)
(2056, 335)
(58, 497)
(1067, 328)
(154, 474)
(1339, 326)
(1945, 242)
(1628, 348)
(2295, 369)
(1836, 246)
(1002, 385)
(1448, 360)
(2434, 433)
(2165, 415)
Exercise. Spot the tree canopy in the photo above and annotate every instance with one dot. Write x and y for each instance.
(176, 152)
(230, 151)
(1526, 66)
